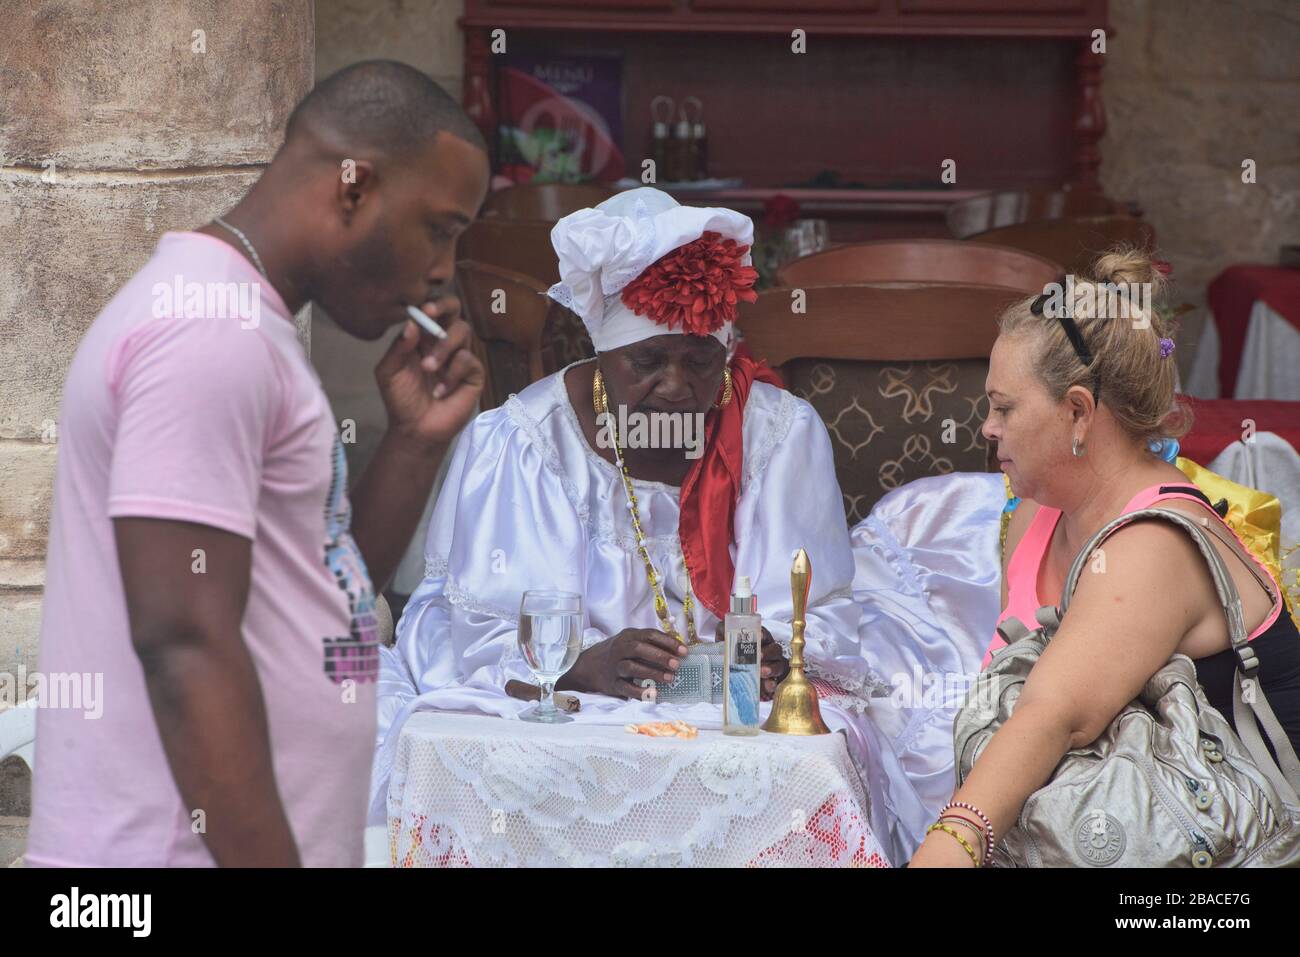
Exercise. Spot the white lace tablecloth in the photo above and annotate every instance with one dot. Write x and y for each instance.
(478, 791)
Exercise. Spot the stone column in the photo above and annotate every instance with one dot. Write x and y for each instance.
(118, 122)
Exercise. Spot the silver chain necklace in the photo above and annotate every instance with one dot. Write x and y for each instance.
(257, 260)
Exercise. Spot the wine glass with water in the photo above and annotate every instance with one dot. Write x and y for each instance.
(550, 639)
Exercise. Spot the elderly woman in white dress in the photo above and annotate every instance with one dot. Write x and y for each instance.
(535, 499)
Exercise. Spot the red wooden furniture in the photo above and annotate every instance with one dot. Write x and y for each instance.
(895, 370)
(547, 202)
(519, 245)
(1074, 242)
(923, 260)
(1009, 207)
(507, 311)
(885, 92)
(899, 322)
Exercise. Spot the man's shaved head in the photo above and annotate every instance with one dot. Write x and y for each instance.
(379, 174)
(387, 106)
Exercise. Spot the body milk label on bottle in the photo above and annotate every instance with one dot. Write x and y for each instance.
(742, 680)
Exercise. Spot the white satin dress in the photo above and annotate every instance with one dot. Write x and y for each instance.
(528, 504)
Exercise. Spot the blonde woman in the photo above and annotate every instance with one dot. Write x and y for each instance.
(1075, 398)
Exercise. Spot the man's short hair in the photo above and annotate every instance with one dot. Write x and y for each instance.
(385, 105)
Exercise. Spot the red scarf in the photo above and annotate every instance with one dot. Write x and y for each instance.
(707, 525)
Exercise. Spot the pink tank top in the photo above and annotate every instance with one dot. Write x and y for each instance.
(1022, 571)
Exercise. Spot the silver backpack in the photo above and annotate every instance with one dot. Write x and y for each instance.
(1168, 783)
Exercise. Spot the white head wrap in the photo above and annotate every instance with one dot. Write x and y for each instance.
(603, 249)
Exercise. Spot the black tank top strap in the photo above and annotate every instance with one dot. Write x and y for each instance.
(1221, 507)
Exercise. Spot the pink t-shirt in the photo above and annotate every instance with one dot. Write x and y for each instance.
(181, 406)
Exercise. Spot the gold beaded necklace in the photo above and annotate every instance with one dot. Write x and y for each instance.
(601, 404)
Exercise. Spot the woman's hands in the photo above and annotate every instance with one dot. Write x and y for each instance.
(617, 667)
(430, 386)
(775, 667)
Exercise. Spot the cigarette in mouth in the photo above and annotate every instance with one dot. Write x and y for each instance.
(425, 323)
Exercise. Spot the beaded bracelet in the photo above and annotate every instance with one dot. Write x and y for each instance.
(985, 835)
(970, 825)
(988, 825)
(966, 845)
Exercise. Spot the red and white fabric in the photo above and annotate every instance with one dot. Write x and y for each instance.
(1251, 347)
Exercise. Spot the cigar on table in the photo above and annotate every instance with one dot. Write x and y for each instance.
(528, 692)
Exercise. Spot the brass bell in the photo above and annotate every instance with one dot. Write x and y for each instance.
(794, 706)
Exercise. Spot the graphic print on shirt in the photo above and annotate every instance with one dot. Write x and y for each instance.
(355, 656)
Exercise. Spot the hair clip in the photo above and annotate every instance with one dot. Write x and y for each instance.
(1166, 348)
(1072, 333)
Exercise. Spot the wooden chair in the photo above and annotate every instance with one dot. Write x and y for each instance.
(1074, 242)
(518, 245)
(895, 370)
(507, 311)
(565, 337)
(534, 337)
(922, 260)
(544, 201)
(1009, 207)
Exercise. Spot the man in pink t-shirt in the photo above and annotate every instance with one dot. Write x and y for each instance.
(205, 557)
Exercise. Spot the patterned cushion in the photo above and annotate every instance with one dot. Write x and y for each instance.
(892, 422)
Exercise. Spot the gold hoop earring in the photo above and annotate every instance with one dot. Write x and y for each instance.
(599, 401)
(727, 392)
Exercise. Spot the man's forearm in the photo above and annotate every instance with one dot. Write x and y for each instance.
(212, 721)
(389, 499)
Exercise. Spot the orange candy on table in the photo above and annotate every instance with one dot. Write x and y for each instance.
(664, 729)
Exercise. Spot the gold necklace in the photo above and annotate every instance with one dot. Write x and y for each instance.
(601, 404)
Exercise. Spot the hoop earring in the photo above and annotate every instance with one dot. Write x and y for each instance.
(1077, 448)
(599, 401)
(727, 392)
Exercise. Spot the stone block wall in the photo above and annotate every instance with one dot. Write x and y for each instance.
(1192, 88)
(118, 122)
(424, 34)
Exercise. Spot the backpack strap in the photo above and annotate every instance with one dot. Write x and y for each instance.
(1249, 703)
(1012, 630)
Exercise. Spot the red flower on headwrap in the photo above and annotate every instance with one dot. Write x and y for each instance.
(696, 286)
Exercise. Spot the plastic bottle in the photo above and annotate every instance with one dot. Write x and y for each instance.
(742, 671)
